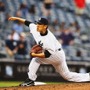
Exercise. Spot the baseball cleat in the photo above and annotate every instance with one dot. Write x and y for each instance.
(27, 82)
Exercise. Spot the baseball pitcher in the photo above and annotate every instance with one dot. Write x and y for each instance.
(51, 52)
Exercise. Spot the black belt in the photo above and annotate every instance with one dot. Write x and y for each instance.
(59, 49)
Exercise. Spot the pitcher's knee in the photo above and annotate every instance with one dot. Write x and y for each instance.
(68, 77)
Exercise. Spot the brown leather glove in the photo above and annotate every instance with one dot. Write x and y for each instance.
(36, 49)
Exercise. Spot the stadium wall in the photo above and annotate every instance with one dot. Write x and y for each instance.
(17, 70)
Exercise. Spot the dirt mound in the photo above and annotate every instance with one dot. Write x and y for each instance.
(65, 86)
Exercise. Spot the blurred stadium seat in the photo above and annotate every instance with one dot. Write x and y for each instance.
(62, 10)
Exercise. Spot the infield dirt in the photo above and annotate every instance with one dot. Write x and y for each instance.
(65, 86)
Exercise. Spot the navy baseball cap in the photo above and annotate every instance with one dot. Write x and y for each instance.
(42, 21)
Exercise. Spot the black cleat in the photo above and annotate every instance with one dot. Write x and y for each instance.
(27, 82)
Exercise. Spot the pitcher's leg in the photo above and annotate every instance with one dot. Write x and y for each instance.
(33, 67)
(63, 70)
(72, 76)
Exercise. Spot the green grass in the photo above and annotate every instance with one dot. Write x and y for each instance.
(16, 83)
(9, 83)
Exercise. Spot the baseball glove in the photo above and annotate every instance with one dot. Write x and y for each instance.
(36, 49)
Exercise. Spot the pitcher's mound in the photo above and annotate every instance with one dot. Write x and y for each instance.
(63, 86)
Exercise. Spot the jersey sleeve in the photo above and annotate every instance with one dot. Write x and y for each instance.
(27, 23)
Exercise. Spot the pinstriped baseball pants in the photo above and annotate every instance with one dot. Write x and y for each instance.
(58, 60)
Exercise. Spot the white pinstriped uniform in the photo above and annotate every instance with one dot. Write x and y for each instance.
(57, 58)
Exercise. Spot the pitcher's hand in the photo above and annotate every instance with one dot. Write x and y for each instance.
(17, 18)
(12, 18)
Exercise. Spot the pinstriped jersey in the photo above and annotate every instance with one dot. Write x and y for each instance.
(48, 41)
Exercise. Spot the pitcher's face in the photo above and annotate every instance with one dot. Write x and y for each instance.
(41, 28)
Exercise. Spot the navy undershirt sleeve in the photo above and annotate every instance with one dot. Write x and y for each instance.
(47, 54)
(27, 23)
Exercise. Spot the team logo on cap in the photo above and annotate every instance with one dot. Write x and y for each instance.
(39, 19)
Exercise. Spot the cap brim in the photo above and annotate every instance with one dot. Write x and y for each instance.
(38, 22)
